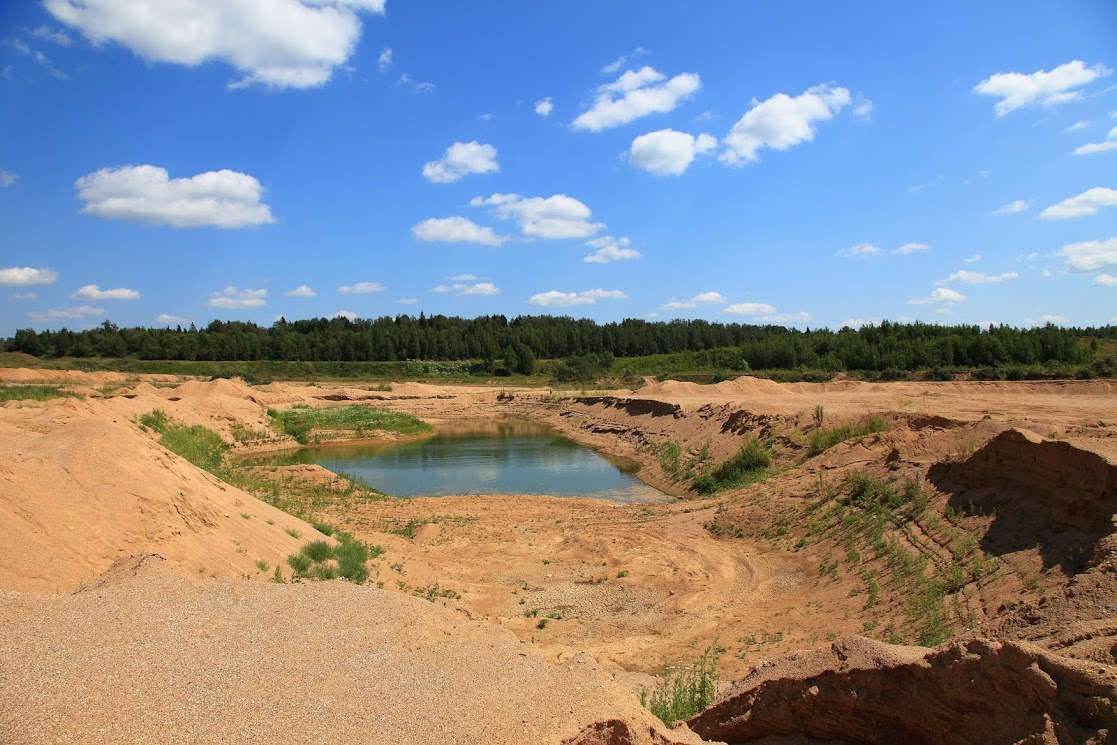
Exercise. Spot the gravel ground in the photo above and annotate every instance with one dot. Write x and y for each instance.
(152, 655)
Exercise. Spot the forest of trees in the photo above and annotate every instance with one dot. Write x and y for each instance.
(520, 342)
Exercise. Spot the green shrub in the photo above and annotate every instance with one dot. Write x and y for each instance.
(317, 551)
(299, 563)
(684, 692)
(323, 572)
(351, 558)
(749, 465)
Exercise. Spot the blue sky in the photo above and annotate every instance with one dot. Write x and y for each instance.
(808, 164)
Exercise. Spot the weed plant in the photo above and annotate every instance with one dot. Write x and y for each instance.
(683, 692)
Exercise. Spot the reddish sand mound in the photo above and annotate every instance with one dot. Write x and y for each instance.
(78, 493)
(152, 653)
(864, 691)
(1044, 493)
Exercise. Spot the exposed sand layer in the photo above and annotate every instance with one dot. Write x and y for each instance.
(868, 692)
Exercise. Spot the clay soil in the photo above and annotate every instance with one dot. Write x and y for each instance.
(1017, 488)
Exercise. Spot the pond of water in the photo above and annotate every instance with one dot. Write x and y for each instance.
(485, 457)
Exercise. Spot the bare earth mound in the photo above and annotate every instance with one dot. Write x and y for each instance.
(864, 691)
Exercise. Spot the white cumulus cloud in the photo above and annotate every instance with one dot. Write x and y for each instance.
(751, 309)
(702, 298)
(7, 178)
(557, 216)
(1089, 256)
(782, 121)
(619, 62)
(1099, 147)
(384, 61)
(1018, 205)
(79, 311)
(278, 43)
(1086, 203)
(481, 288)
(166, 319)
(93, 292)
(635, 94)
(910, 248)
(461, 159)
(667, 152)
(360, 288)
(1041, 88)
(25, 275)
(1105, 280)
(979, 278)
(556, 299)
(224, 199)
(1095, 147)
(972, 259)
(464, 288)
(231, 298)
(860, 251)
(609, 249)
(301, 291)
(455, 230)
(347, 314)
(940, 295)
(544, 106)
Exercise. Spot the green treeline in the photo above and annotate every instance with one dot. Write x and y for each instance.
(694, 345)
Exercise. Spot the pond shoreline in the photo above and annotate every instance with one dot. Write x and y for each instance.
(524, 447)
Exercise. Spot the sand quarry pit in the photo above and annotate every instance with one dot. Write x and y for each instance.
(137, 598)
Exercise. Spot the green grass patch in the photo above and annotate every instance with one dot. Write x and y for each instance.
(321, 560)
(681, 693)
(300, 422)
(825, 438)
(199, 445)
(34, 393)
(748, 466)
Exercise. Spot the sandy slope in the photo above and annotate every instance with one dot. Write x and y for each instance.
(79, 491)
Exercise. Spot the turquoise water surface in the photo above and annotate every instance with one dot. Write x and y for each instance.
(488, 457)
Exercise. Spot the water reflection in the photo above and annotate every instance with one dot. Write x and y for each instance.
(485, 457)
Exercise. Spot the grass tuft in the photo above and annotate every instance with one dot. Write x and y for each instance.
(825, 438)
